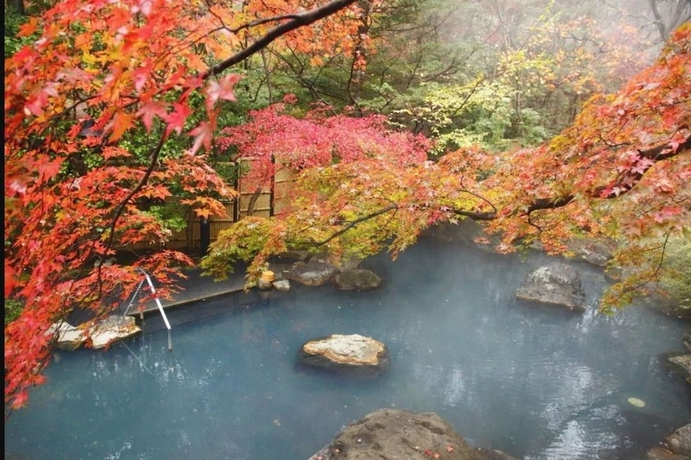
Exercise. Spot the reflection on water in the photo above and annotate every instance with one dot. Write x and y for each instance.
(534, 382)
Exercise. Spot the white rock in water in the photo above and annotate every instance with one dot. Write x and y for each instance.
(111, 329)
(353, 353)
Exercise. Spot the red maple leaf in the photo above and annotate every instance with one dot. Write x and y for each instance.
(149, 110)
(176, 119)
(222, 89)
(49, 169)
(203, 134)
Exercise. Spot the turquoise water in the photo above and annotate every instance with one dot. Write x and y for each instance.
(531, 381)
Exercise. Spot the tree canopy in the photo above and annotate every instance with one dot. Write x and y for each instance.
(620, 171)
(90, 75)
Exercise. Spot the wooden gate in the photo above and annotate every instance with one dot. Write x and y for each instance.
(265, 201)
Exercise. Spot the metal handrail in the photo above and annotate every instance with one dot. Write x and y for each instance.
(147, 278)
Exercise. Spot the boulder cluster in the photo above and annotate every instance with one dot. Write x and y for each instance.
(317, 270)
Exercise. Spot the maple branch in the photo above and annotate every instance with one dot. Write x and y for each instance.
(258, 22)
(485, 216)
(548, 203)
(354, 223)
(627, 181)
(622, 185)
(299, 20)
(654, 275)
(153, 159)
(467, 98)
(478, 196)
(664, 151)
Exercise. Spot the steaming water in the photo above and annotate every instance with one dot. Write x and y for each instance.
(534, 382)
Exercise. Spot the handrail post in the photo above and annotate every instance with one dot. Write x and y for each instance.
(160, 307)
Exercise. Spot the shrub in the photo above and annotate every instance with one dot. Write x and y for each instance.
(13, 307)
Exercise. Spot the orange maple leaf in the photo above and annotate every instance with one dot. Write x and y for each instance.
(122, 121)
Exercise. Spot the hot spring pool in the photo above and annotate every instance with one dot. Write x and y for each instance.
(531, 381)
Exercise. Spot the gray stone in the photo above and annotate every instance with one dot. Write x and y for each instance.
(349, 263)
(687, 341)
(680, 441)
(662, 453)
(357, 280)
(556, 284)
(322, 258)
(110, 261)
(595, 252)
(402, 435)
(311, 273)
(352, 354)
(282, 285)
(264, 285)
(111, 329)
(683, 361)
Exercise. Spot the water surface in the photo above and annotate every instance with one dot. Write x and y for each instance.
(535, 382)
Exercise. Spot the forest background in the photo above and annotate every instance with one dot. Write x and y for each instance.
(546, 120)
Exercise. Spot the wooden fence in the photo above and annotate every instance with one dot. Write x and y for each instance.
(264, 201)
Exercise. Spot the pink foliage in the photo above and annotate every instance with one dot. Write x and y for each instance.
(275, 139)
